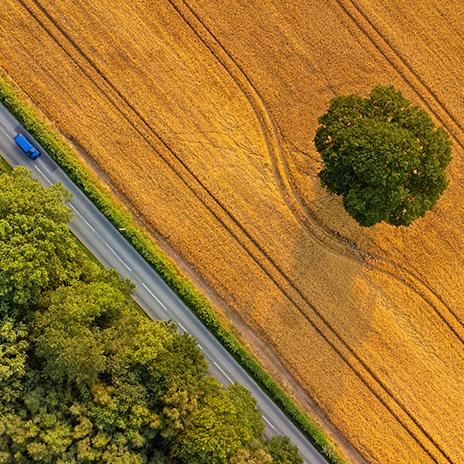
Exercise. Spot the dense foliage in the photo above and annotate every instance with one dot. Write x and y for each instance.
(384, 155)
(31, 262)
(84, 376)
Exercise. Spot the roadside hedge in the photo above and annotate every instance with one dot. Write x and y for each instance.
(62, 152)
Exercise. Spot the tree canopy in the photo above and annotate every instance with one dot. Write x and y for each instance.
(283, 452)
(37, 250)
(384, 155)
(85, 377)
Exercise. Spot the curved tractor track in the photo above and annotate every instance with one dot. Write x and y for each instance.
(250, 245)
(324, 235)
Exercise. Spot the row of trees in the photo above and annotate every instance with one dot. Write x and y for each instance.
(84, 376)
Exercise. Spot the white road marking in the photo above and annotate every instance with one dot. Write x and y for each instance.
(43, 174)
(215, 363)
(120, 259)
(83, 218)
(268, 423)
(155, 297)
(220, 368)
(182, 327)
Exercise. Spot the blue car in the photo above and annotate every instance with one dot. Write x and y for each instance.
(26, 146)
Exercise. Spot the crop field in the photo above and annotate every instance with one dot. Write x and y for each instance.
(201, 114)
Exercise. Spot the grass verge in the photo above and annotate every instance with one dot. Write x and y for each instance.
(62, 152)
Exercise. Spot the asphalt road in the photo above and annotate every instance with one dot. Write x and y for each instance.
(151, 293)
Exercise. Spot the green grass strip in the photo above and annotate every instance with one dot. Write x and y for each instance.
(62, 152)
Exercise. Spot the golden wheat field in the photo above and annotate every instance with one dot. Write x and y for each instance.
(201, 114)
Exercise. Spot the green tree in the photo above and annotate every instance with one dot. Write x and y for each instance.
(214, 432)
(52, 424)
(37, 250)
(71, 334)
(283, 452)
(13, 358)
(249, 417)
(246, 456)
(383, 155)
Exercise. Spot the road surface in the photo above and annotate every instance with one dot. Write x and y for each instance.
(151, 293)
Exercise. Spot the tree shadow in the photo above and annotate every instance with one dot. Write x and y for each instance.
(376, 358)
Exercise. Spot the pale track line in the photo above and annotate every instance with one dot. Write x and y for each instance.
(278, 285)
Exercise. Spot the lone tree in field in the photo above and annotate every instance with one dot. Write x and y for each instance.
(384, 155)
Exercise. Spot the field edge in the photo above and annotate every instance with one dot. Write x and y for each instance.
(17, 102)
